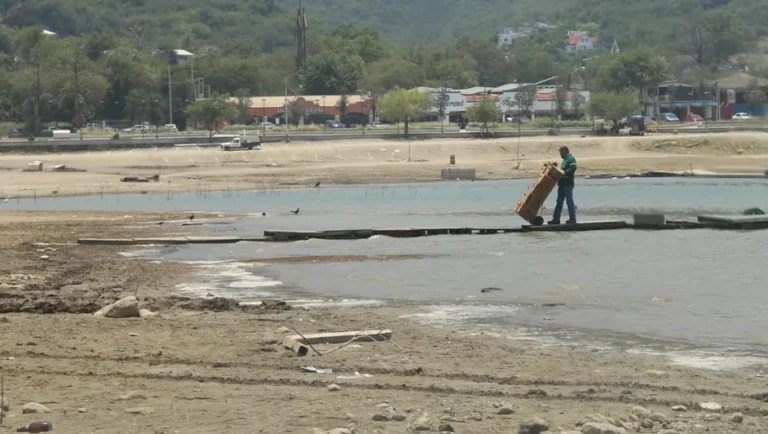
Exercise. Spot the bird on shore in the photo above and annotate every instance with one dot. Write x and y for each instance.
(192, 217)
(263, 214)
(317, 184)
(295, 212)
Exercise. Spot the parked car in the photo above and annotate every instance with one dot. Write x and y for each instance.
(669, 117)
(517, 119)
(741, 117)
(693, 117)
(378, 125)
(15, 132)
(645, 119)
(172, 128)
(333, 124)
(266, 125)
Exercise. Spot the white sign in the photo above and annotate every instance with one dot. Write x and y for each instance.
(453, 102)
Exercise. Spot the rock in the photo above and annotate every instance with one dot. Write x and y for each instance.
(710, 406)
(679, 408)
(132, 395)
(641, 412)
(737, 418)
(450, 419)
(712, 417)
(127, 307)
(505, 410)
(646, 423)
(397, 417)
(601, 428)
(133, 335)
(82, 410)
(658, 417)
(333, 387)
(339, 431)
(533, 426)
(34, 407)
(477, 417)
(140, 410)
(378, 417)
(146, 313)
(283, 330)
(423, 423)
(444, 427)
(656, 373)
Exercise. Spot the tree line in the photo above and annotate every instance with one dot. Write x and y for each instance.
(119, 75)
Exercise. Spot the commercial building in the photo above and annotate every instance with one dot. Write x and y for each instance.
(308, 109)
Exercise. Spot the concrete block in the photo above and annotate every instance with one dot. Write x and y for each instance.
(458, 173)
(649, 219)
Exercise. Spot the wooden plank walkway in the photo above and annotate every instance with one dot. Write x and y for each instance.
(705, 222)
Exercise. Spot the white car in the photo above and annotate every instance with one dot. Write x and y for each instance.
(172, 128)
(741, 117)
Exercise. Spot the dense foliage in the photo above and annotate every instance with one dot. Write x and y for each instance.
(110, 59)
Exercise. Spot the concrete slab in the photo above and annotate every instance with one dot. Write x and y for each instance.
(460, 173)
(648, 219)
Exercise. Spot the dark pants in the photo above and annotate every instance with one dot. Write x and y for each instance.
(564, 194)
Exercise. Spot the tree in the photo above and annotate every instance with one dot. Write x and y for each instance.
(614, 106)
(343, 107)
(393, 72)
(34, 83)
(440, 101)
(80, 85)
(635, 68)
(756, 96)
(712, 38)
(485, 111)
(402, 105)
(561, 101)
(243, 102)
(332, 73)
(577, 101)
(526, 98)
(211, 112)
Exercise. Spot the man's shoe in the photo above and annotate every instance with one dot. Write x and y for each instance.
(553, 222)
(571, 222)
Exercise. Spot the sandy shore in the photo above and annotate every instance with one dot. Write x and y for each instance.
(216, 368)
(301, 164)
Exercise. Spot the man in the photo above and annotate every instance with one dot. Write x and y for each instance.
(565, 188)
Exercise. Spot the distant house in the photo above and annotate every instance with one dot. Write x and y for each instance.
(182, 56)
(48, 33)
(509, 36)
(579, 41)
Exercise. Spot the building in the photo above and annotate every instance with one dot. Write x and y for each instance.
(509, 36)
(733, 92)
(457, 102)
(182, 56)
(310, 109)
(579, 41)
(728, 93)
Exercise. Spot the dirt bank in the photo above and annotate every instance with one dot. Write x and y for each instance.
(302, 164)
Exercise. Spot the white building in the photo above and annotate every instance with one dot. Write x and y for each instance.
(510, 35)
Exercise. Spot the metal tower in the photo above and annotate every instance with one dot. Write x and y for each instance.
(301, 37)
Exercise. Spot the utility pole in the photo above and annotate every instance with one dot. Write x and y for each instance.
(301, 37)
(170, 97)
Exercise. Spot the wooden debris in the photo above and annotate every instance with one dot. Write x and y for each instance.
(300, 344)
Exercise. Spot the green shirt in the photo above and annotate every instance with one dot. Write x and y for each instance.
(569, 167)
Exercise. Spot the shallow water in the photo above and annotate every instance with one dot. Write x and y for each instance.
(641, 290)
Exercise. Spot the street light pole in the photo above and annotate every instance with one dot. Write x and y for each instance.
(286, 110)
(263, 116)
(170, 99)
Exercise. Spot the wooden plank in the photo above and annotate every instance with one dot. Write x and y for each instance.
(735, 219)
(300, 345)
(212, 240)
(584, 226)
(341, 337)
(106, 241)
